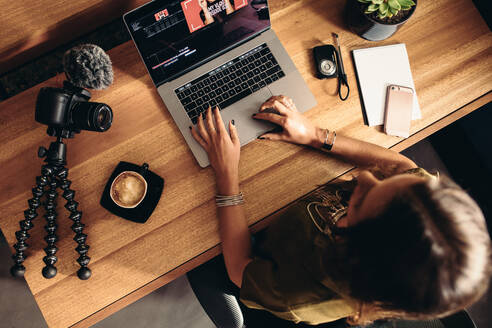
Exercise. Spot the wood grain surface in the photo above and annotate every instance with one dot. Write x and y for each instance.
(29, 28)
(449, 47)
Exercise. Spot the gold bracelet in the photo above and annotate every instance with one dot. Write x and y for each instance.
(222, 200)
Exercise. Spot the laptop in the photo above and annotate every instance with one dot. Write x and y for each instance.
(223, 53)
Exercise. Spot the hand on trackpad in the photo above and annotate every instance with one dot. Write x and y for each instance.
(292, 126)
(272, 110)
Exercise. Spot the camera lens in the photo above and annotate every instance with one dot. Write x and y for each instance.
(327, 67)
(102, 117)
(91, 116)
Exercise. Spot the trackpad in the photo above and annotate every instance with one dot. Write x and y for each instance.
(241, 112)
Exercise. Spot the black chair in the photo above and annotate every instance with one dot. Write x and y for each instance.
(219, 298)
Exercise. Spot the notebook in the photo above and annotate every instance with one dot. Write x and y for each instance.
(377, 68)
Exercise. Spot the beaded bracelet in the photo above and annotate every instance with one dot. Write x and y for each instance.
(221, 200)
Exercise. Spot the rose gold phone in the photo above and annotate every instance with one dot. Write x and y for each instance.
(398, 113)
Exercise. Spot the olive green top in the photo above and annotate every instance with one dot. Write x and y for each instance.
(287, 276)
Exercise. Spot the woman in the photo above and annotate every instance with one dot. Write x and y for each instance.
(410, 246)
(212, 10)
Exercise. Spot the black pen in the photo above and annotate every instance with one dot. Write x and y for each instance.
(342, 77)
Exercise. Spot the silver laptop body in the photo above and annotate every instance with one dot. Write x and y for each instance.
(292, 85)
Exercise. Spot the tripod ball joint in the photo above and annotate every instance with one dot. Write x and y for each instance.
(18, 270)
(49, 272)
(42, 152)
(84, 273)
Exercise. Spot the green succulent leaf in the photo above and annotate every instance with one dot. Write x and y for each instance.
(393, 11)
(383, 8)
(377, 2)
(381, 16)
(394, 4)
(365, 1)
(406, 3)
(371, 8)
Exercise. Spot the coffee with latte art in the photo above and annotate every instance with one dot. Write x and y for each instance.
(128, 189)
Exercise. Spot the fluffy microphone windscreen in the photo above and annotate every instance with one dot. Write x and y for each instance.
(88, 66)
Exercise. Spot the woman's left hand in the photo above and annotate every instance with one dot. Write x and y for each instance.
(223, 150)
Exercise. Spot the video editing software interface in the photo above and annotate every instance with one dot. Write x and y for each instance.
(174, 35)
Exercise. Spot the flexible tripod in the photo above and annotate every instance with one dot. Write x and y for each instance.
(53, 175)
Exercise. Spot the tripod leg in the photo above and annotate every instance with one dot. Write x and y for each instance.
(84, 272)
(18, 269)
(49, 271)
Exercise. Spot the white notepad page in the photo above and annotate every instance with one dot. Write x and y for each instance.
(377, 68)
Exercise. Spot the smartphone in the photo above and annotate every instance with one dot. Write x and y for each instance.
(398, 112)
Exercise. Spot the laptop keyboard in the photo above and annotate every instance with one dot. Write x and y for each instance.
(230, 82)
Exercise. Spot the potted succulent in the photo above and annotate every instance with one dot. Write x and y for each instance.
(377, 20)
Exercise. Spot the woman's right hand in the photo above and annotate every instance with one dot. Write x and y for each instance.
(297, 129)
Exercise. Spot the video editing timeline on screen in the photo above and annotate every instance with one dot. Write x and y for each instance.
(166, 43)
(186, 51)
(193, 14)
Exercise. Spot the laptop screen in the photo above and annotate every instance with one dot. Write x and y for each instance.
(173, 36)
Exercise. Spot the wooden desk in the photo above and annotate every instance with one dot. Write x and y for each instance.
(451, 58)
(31, 28)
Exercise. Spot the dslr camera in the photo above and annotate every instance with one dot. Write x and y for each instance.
(69, 110)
